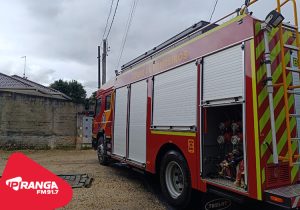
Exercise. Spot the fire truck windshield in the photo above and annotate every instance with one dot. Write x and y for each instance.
(98, 107)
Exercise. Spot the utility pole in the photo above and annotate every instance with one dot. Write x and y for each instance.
(24, 74)
(99, 68)
(104, 54)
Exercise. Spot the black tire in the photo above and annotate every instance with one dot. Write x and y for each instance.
(102, 151)
(176, 189)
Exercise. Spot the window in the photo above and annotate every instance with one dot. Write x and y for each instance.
(107, 102)
(98, 107)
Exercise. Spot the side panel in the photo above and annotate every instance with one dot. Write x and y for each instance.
(222, 75)
(120, 122)
(285, 174)
(233, 31)
(175, 97)
(137, 122)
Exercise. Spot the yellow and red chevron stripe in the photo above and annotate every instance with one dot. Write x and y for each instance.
(265, 135)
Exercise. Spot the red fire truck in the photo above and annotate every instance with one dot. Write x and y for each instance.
(215, 108)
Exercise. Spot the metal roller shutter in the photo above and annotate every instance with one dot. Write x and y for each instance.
(223, 74)
(137, 122)
(175, 94)
(120, 122)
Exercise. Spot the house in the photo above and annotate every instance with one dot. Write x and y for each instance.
(33, 116)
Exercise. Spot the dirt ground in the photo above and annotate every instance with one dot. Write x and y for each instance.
(114, 187)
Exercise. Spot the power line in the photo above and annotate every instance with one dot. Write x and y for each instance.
(112, 19)
(214, 9)
(111, 6)
(129, 21)
(128, 24)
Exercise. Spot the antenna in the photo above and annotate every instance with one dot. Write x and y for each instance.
(24, 74)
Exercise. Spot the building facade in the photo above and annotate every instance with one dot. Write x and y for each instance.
(33, 116)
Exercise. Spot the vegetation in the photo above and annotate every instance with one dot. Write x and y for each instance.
(73, 89)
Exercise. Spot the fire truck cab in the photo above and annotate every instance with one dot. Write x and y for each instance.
(215, 108)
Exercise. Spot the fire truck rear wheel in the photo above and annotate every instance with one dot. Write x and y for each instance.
(101, 151)
(175, 179)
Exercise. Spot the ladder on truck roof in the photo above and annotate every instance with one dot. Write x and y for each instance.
(288, 90)
(195, 30)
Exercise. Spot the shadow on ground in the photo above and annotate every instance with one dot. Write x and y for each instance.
(199, 200)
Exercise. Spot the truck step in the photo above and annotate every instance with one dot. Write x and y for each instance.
(288, 194)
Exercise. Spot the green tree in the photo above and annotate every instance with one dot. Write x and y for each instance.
(73, 89)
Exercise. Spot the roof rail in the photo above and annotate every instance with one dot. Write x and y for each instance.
(196, 29)
(169, 42)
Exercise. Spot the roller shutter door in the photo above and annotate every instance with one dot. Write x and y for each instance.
(223, 75)
(120, 122)
(137, 122)
(175, 94)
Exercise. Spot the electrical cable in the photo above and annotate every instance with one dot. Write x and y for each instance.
(112, 19)
(214, 9)
(128, 24)
(111, 6)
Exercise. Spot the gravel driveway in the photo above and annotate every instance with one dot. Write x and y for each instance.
(114, 187)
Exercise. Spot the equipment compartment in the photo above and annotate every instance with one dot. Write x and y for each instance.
(222, 145)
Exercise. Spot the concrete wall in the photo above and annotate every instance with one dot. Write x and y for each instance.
(36, 122)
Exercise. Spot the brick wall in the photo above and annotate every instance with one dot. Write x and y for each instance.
(36, 122)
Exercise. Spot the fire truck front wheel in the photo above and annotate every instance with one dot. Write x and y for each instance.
(102, 151)
(175, 179)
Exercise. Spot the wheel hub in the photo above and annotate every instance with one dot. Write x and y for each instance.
(174, 179)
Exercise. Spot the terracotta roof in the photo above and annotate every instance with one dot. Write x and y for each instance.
(24, 86)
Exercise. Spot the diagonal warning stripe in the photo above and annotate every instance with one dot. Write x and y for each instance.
(275, 52)
(278, 96)
(278, 121)
(276, 75)
(283, 139)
